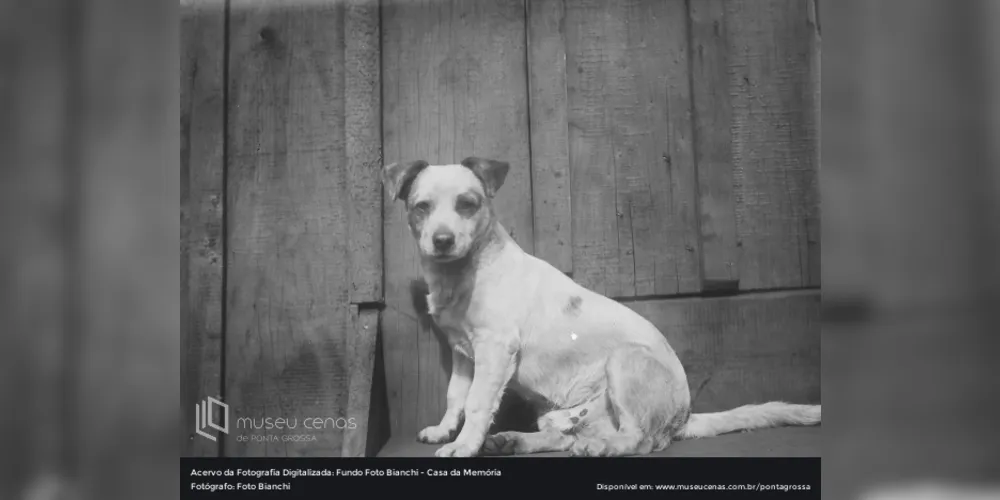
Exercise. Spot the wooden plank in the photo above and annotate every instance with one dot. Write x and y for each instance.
(454, 85)
(36, 200)
(550, 172)
(288, 286)
(401, 337)
(744, 349)
(635, 225)
(593, 204)
(378, 408)
(813, 268)
(361, 360)
(713, 141)
(363, 126)
(774, 85)
(202, 239)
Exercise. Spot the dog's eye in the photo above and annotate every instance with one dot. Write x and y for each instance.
(466, 206)
(423, 206)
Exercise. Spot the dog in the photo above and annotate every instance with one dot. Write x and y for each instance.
(604, 380)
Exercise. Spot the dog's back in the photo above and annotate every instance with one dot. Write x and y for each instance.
(567, 331)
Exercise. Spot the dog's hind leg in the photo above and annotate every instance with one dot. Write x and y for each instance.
(519, 443)
(646, 399)
(556, 430)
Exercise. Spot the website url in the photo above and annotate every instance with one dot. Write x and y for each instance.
(704, 487)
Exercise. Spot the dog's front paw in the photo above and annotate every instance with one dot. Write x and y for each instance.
(456, 449)
(436, 434)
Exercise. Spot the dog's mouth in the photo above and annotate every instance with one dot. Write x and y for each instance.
(444, 257)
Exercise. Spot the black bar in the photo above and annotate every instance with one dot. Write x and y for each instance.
(221, 478)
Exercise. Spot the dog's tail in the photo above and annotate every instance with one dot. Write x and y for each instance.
(749, 417)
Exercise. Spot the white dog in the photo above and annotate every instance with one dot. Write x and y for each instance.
(604, 379)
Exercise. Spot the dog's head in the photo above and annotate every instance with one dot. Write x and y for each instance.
(449, 207)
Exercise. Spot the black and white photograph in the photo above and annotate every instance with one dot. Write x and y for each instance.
(300, 249)
(522, 227)
(465, 228)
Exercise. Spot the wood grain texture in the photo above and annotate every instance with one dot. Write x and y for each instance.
(774, 86)
(288, 289)
(363, 126)
(635, 228)
(378, 408)
(202, 240)
(713, 145)
(361, 363)
(454, 85)
(550, 171)
(745, 349)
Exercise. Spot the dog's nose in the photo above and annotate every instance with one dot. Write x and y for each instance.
(443, 241)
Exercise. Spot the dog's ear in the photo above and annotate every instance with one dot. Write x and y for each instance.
(398, 177)
(491, 172)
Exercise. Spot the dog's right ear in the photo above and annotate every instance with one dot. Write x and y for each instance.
(398, 177)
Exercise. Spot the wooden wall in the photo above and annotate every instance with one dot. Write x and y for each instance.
(284, 254)
(671, 149)
(663, 152)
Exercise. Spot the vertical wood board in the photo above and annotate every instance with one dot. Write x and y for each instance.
(288, 320)
(202, 203)
(635, 227)
(774, 86)
(550, 169)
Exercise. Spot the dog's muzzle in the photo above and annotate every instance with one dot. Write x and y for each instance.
(444, 242)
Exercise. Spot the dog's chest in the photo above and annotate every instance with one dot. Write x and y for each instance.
(458, 337)
(451, 322)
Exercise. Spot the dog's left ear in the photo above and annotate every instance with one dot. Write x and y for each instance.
(491, 172)
(398, 177)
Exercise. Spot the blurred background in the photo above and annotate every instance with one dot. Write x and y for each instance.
(910, 189)
(89, 268)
